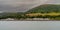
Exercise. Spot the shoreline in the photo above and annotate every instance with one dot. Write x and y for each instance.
(28, 19)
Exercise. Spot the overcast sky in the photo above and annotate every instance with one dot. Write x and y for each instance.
(53, 2)
(22, 5)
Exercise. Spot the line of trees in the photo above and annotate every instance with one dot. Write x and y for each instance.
(19, 16)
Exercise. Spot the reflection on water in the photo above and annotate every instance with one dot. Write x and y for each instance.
(29, 25)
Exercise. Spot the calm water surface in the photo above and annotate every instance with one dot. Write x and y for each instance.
(29, 25)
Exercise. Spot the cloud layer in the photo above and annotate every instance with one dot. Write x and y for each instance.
(19, 5)
(53, 2)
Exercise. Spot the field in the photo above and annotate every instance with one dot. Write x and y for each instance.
(51, 15)
(43, 14)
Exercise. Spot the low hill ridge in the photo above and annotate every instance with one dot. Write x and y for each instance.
(46, 8)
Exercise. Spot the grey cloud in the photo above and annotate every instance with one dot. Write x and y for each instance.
(53, 2)
(19, 5)
(9, 8)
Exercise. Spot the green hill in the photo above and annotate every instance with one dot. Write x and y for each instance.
(46, 8)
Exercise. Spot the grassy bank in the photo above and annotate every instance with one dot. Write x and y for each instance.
(52, 15)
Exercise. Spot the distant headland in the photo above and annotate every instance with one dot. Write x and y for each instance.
(49, 11)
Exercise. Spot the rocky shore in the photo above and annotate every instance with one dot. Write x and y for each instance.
(27, 19)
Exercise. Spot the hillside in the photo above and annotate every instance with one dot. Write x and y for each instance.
(46, 8)
(51, 11)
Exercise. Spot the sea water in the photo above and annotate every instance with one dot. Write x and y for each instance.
(29, 25)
